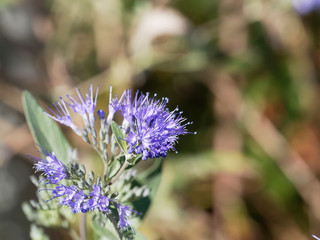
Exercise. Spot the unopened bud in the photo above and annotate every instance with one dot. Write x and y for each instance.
(101, 114)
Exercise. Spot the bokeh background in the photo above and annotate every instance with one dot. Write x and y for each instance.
(246, 72)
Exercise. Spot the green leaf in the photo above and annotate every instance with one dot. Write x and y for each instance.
(106, 232)
(115, 166)
(45, 131)
(119, 136)
(134, 161)
(151, 179)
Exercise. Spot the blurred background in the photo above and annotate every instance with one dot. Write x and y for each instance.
(246, 72)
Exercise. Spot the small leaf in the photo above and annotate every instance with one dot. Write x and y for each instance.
(45, 131)
(119, 136)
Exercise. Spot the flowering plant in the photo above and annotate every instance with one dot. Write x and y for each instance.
(118, 199)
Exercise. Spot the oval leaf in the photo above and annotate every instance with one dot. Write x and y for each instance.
(45, 131)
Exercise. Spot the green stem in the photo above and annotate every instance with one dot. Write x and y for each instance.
(105, 172)
(116, 177)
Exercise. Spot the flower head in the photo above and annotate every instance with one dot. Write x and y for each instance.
(84, 106)
(70, 196)
(62, 115)
(53, 169)
(95, 195)
(124, 213)
(84, 199)
(103, 204)
(152, 129)
(77, 201)
(81, 200)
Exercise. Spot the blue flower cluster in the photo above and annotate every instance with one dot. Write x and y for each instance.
(89, 198)
(152, 130)
(53, 170)
(78, 200)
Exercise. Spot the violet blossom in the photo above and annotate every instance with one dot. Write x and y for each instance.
(152, 129)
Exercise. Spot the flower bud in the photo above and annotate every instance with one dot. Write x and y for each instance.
(101, 114)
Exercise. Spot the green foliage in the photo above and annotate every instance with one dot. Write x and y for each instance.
(103, 230)
(45, 131)
(119, 136)
(151, 179)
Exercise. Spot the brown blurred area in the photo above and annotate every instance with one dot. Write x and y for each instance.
(246, 72)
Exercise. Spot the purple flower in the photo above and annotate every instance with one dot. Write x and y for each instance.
(103, 204)
(62, 115)
(78, 200)
(69, 193)
(97, 200)
(124, 213)
(84, 106)
(306, 6)
(95, 194)
(90, 198)
(152, 129)
(73, 197)
(80, 105)
(59, 191)
(53, 169)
